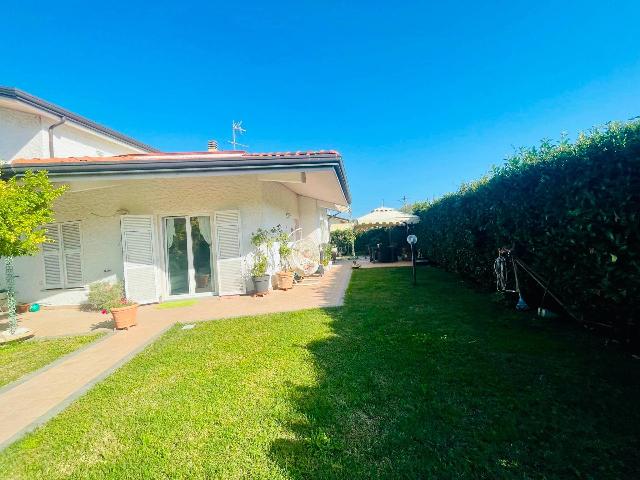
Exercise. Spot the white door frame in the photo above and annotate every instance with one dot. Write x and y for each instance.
(191, 269)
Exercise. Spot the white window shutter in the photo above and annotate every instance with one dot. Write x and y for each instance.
(230, 278)
(52, 254)
(72, 254)
(139, 260)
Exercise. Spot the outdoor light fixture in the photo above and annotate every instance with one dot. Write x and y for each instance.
(412, 240)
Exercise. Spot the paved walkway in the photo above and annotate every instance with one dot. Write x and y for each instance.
(326, 291)
(36, 398)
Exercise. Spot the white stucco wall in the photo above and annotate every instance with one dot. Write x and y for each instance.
(278, 199)
(261, 204)
(25, 135)
(280, 207)
(20, 135)
(314, 220)
(325, 231)
(70, 141)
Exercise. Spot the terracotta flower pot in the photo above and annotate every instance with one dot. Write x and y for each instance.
(22, 307)
(125, 317)
(285, 280)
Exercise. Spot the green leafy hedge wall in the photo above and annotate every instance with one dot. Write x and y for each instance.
(572, 213)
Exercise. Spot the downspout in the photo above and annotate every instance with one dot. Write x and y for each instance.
(62, 120)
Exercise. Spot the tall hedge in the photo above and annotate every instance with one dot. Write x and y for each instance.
(572, 213)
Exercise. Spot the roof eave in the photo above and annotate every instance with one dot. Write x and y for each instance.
(64, 171)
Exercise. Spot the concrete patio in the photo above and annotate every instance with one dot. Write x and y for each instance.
(313, 292)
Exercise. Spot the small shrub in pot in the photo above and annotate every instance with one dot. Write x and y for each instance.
(110, 297)
(263, 241)
(259, 272)
(285, 275)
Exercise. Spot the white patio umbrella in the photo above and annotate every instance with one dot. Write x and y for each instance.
(385, 217)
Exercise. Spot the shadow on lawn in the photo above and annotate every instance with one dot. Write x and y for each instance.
(439, 382)
(366, 415)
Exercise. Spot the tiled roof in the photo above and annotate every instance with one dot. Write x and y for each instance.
(172, 157)
(289, 154)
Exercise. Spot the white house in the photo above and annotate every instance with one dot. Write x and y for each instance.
(34, 128)
(169, 224)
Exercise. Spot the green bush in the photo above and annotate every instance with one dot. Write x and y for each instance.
(342, 240)
(396, 236)
(570, 211)
(105, 296)
(363, 239)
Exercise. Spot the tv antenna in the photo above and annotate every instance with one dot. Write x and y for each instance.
(236, 128)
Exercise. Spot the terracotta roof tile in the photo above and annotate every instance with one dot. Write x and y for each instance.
(168, 156)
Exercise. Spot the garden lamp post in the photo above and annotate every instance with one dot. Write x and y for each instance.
(411, 240)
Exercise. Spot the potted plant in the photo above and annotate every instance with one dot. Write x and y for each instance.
(259, 273)
(325, 258)
(126, 315)
(22, 307)
(3, 300)
(285, 275)
(108, 297)
(262, 240)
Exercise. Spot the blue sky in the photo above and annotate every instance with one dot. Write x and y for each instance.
(417, 96)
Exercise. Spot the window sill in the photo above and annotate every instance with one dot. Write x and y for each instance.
(63, 289)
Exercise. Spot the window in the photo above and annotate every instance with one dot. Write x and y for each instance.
(62, 256)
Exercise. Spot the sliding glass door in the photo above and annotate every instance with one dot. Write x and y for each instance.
(188, 248)
(202, 258)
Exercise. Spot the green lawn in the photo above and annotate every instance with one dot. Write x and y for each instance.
(176, 304)
(435, 381)
(18, 359)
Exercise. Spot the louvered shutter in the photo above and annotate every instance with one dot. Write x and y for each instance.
(52, 254)
(138, 255)
(228, 248)
(72, 254)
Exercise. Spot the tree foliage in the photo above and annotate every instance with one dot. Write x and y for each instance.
(26, 204)
(363, 239)
(342, 240)
(571, 211)
(384, 236)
